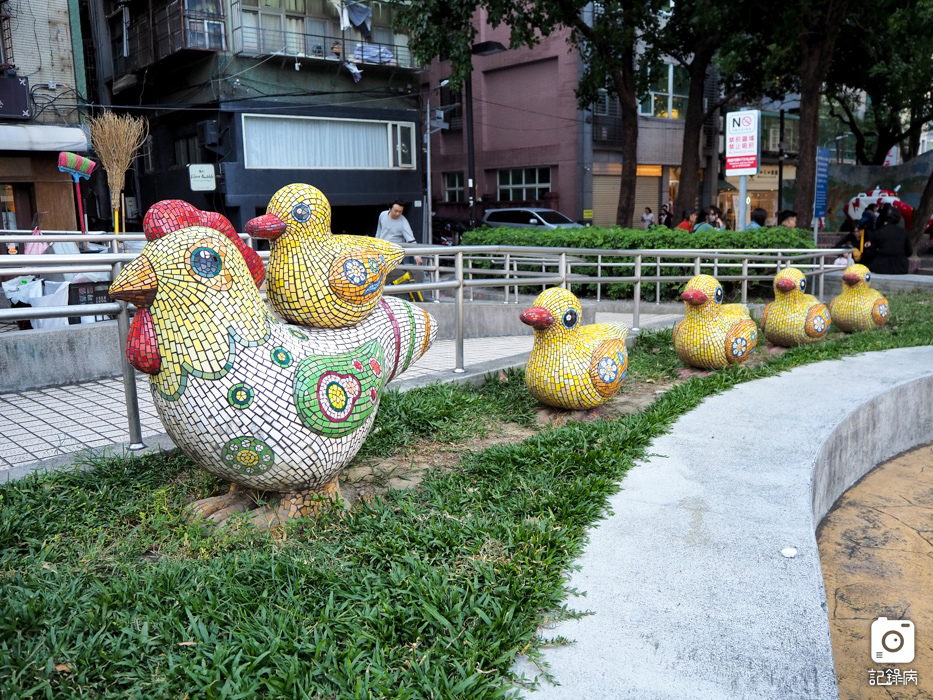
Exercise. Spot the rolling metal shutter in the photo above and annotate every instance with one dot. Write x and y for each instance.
(606, 199)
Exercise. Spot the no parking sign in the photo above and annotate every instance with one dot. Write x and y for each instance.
(742, 142)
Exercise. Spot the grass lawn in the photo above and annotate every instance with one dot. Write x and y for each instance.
(106, 590)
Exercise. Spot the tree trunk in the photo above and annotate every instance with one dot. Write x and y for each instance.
(922, 215)
(693, 129)
(623, 79)
(811, 83)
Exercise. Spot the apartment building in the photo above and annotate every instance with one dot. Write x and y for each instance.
(41, 80)
(246, 96)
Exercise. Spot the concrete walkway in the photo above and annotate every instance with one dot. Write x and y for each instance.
(46, 428)
(705, 582)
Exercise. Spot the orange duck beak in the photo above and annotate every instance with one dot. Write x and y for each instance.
(695, 297)
(785, 285)
(537, 317)
(851, 279)
(268, 226)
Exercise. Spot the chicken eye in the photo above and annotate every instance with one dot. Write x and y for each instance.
(718, 295)
(301, 212)
(803, 285)
(570, 318)
(206, 262)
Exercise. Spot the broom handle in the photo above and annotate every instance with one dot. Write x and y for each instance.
(80, 207)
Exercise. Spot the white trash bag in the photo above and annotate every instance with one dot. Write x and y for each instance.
(57, 296)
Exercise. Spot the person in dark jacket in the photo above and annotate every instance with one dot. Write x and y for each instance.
(891, 244)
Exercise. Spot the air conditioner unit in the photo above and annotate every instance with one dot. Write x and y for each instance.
(14, 98)
(208, 133)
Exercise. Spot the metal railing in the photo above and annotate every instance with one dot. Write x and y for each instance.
(448, 269)
(262, 42)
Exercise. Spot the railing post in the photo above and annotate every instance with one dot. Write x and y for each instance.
(716, 266)
(636, 309)
(696, 266)
(563, 270)
(470, 266)
(506, 268)
(599, 273)
(129, 375)
(436, 275)
(744, 280)
(822, 270)
(657, 287)
(458, 273)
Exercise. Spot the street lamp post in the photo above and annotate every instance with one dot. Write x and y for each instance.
(484, 48)
(428, 238)
(836, 140)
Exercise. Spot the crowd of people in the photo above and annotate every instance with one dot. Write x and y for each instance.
(711, 219)
(879, 241)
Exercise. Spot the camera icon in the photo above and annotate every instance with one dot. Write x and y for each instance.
(892, 641)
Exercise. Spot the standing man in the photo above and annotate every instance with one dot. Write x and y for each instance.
(394, 227)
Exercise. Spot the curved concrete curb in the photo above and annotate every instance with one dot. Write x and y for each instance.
(690, 593)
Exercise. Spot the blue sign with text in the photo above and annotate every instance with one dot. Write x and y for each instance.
(822, 182)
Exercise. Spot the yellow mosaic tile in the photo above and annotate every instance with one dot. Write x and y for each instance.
(859, 307)
(572, 366)
(712, 334)
(794, 317)
(315, 278)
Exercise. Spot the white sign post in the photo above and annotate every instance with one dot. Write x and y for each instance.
(743, 153)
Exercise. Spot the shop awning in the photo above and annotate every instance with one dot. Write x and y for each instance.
(40, 137)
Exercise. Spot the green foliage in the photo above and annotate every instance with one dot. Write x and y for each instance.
(108, 593)
(655, 238)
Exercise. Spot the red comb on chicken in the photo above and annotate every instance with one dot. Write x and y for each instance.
(175, 214)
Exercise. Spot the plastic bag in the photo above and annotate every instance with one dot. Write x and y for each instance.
(57, 296)
(22, 289)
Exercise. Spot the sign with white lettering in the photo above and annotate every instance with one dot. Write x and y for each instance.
(743, 142)
(202, 178)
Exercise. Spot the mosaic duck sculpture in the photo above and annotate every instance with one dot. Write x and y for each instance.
(794, 317)
(314, 277)
(572, 366)
(266, 405)
(859, 307)
(712, 334)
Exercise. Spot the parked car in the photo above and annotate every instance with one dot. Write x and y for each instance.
(447, 231)
(528, 218)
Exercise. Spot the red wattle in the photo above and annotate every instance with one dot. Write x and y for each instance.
(142, 350)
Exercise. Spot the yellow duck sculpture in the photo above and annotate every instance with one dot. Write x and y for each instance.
(712, 334)
(859, 307)
(794, 317)
(572, 366)
(266, 405)
(315, 278)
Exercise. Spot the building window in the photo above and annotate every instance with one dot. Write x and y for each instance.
(277, 142)
(524, 184)
(771, 130)
(6, 37)
(187, 151)
(453, 187)
(292, 27)
(668, 87)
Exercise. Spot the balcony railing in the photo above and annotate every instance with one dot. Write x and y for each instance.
(261, 42)
(165, 31)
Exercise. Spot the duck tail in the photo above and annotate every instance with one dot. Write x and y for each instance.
(414, 330)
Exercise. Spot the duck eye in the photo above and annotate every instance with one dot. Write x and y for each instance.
(868, 277)
(570, 318)
(803, 285)
(301, 212)
(718, 295)
(206, 262)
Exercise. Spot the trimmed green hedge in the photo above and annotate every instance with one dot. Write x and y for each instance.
(640, 239)
(655, 238)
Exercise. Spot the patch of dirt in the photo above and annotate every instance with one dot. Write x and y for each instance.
(406, 470)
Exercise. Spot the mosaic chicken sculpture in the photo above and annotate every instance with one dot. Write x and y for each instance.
(266, 405)
(859, 307)
(794, 317)
(572, 366)
(314, 277)
(712, 334)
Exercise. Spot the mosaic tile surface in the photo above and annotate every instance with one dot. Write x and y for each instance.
(712, 334)
(859, 307)
(794, 317)
(572, 366)
(316, 278)
(267, 405)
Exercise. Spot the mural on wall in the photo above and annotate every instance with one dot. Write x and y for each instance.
(269, 406)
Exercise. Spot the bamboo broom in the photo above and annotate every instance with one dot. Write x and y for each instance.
(116, 138)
